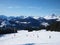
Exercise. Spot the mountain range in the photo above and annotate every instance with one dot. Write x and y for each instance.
(28, 22)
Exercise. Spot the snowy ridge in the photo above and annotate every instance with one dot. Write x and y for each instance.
(36, 17)
(51, 17)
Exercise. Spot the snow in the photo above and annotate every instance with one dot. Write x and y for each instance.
(58, 19)
(3, 24)
(36, 17)
(17, 21)
(25, 22)
(32, 38)
(51, 17)
(45, 24)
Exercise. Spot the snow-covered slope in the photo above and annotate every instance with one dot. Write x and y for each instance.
(31, 38)
(52, 17)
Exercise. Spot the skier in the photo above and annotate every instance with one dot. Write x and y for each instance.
(49, 37)
(37, 36)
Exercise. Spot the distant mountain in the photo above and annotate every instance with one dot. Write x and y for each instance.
(28, 22)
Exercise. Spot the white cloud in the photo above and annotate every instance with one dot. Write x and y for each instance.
(34, 7)
(10, 7)
(14, 7)
(31, 7)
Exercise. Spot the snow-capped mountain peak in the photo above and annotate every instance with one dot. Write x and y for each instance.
(53, 16)
(36, 17)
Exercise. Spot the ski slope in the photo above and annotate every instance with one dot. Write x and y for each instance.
(31, 38)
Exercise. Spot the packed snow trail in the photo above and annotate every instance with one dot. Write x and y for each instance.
(36, 38)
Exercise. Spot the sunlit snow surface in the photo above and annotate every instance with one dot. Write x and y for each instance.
(31, 38)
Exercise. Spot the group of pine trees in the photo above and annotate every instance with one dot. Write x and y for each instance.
(54, 26)
(7, 30)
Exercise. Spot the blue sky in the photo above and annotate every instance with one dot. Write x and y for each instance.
(29, 7)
